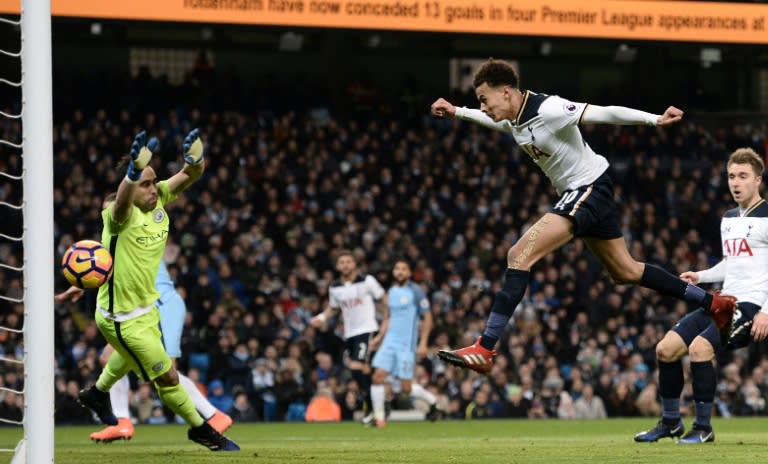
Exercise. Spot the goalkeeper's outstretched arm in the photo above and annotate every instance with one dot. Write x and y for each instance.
(194, 163)
(140, 156)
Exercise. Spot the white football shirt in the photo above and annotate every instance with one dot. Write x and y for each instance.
(547, 129)
(745, 250)
(355, 299)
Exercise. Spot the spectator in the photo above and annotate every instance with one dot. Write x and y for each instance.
(589, 406)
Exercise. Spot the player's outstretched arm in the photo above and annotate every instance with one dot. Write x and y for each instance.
(671, 116)
(140, 156)
(715, 273)
(194, 163)
(442, 108)
(320, 321)
(71, 294)
(623, 116)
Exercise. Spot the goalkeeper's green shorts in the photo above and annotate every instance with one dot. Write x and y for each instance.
(139, 343)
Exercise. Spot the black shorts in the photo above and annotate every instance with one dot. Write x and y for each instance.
(592, 209)
(358, 347)
(698, 323)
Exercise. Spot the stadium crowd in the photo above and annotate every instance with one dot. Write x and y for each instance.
(253, 244)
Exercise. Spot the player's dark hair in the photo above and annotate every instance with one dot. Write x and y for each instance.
(495, 73)
(748, 156)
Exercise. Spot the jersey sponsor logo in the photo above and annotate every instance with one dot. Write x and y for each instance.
(154, 238)
(737, 247)
(351, 303)
(158, 215)
(404, 300)
(534, 152)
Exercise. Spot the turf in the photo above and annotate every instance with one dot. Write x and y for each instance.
(493, 441)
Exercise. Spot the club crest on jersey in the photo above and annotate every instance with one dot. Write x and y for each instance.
(737, 247)
(569, 107)
(158, 215)
(158, 367)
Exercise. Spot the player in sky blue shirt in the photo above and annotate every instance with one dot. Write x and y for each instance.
(403, 343)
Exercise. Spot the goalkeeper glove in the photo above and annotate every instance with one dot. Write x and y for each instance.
(193, 147)
(141, 154)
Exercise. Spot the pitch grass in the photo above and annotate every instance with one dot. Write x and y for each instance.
(471, 442)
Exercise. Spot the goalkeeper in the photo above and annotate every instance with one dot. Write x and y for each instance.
(135, 231)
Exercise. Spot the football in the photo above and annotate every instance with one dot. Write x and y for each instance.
(87, 264)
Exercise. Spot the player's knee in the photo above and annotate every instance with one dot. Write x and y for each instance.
(405, 387)
(169, 379)
(515, 258)
(667, 352)
(378, 377)
(701, 350)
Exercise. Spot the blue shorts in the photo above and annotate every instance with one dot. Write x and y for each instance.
(172, 314)
(396, 361)
(592, 209)
(698, 323)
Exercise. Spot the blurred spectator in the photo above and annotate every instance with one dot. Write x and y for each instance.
(323, 408)
(218, 397)
(589, 406)
(241, 410)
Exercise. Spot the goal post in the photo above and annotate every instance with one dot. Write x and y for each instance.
(37, 152)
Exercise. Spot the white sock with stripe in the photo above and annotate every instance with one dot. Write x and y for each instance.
(203, 406)
(419, 392)
(118, 396)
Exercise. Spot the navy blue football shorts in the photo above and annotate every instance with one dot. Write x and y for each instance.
(358, 347)
(592, 209)
(698, 323)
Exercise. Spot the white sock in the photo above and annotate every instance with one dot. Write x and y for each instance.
(203, 406)
(118, 395)
(419, 392)
(377, 398)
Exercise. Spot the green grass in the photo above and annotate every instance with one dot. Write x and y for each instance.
(513, 441)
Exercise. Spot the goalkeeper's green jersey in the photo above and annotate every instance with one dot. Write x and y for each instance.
(137, 247)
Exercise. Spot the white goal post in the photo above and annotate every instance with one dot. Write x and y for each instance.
(37, 446)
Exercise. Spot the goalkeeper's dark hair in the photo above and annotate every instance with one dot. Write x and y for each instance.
(495, 73)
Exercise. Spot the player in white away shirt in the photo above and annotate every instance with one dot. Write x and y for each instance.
(744, 273)
(353, 294)
(546, 128)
